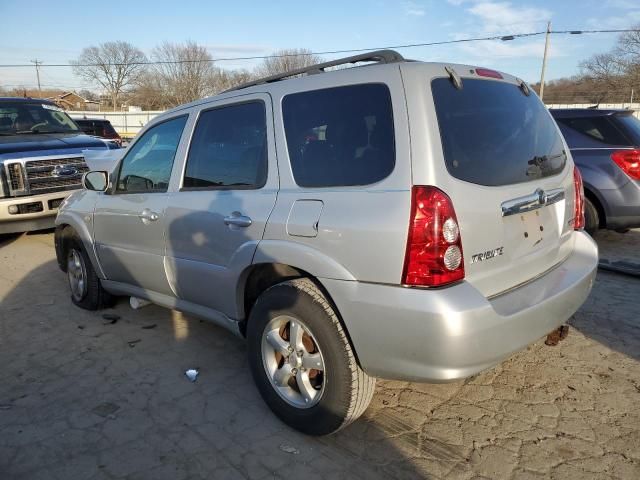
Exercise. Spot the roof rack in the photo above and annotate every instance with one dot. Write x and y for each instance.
(380, 56)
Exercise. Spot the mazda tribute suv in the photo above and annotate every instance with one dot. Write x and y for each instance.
(396, 219)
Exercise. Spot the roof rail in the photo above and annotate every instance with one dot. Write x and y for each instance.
(380, 56)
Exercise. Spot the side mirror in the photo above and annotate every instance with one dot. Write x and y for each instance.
(95, 180)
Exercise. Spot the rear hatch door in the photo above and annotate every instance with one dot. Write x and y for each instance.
(509, 179)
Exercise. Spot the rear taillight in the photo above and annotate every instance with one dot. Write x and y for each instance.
(434, 249)
(578, 210)
(628, 161)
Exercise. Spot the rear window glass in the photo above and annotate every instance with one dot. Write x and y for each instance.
(340, 136)
(493, 134)
(632, 127)
(601, 129)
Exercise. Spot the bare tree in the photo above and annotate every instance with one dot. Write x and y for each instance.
(147, 92)
(604, 68)
(286, 60)
(89, 95)
(113, 65)
(619, 69)
(225, 79)
(185, 72)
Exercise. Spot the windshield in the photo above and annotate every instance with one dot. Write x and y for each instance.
(493, 134)
(19, 118)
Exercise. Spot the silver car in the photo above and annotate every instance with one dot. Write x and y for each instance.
(405, 220)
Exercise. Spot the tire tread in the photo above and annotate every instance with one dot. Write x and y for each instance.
(362, 385)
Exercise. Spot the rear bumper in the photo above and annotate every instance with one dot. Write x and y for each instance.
(623, 205)
(26, 222)
(453, 333)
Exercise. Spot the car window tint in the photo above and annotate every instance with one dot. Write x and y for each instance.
(632, 127)
(147, 165)
(229, 148)
(340, 136)
(493, 134)
(108, 128)
(601, 129)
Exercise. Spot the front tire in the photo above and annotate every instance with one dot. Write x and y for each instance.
(302, 361)
(86, 290)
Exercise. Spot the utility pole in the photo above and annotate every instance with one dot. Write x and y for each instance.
(37, 63)
(544, 59)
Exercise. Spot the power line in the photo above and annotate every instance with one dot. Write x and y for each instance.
(333, 52)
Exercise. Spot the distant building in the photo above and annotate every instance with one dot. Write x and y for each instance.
(73, 101)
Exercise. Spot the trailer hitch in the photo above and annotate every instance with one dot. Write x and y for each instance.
(557, 335)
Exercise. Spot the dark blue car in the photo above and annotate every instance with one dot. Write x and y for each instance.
(605, 145)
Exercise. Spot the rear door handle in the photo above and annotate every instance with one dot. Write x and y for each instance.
(148, 216)
(237, 219)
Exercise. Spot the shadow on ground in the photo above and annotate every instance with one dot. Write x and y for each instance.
(610, 314)
(81, 397)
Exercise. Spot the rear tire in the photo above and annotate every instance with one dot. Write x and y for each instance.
(591, 217)
(338, 393)
(86, 289)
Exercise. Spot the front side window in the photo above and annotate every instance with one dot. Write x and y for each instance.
(340, 136)
(229, 148)
(147, 166)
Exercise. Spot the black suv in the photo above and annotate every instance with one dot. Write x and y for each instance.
(99, 127)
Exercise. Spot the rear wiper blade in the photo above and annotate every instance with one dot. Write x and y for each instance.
(539, 160)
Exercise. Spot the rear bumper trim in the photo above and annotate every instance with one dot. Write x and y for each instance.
(446, 335)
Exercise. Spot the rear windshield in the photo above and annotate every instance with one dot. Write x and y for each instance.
(493, 134)
(632, 126)
(603, 129)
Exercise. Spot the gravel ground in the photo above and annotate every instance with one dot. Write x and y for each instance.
(84, 398)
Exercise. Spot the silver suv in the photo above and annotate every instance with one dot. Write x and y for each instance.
(405, 220)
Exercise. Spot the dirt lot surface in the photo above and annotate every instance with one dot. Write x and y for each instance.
(81, 397)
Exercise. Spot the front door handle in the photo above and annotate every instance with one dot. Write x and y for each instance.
(237, 219)
(148, 216)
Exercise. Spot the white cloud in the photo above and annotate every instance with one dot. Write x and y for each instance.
(414, 9)
(618, 21)
(501, 17)
(622, 4)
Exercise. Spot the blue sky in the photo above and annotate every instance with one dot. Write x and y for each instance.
(53, 33)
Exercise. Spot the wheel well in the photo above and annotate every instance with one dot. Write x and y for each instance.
(265, 275)
(596, 203)
(62, 236)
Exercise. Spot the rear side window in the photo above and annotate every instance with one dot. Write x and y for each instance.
(340, 136)
(632, 127)
(229, 148)
(108, 128)
(601, 129)
(493, 134)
